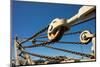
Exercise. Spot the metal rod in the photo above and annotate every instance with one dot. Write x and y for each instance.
(84, 21)
(83, 13)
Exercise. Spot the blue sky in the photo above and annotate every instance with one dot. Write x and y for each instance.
(30, 17)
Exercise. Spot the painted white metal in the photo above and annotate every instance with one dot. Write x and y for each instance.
(93, 48)
(86, 36)
(55, 30)
(84, 13)
(16, 53)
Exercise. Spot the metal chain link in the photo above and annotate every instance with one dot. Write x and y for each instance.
(46, 43)
(42, 56)
(69, 51)
(72, 33)
(38, 33)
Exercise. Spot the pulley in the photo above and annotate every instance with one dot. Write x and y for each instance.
(86, 36)
(57, 28)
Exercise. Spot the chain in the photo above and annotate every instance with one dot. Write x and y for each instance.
(38, 33)
(69, 51)
(42, 56)
(46, 43)
(71, 33)
(69, 42)
(48, 26)
(36, 45)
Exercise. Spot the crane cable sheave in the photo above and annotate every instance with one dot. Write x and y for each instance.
(57, 28)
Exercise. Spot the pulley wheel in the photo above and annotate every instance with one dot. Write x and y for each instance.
(84, 37)
(57, 35)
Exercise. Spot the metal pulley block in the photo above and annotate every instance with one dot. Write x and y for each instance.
(86, 37)
(57, 28)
